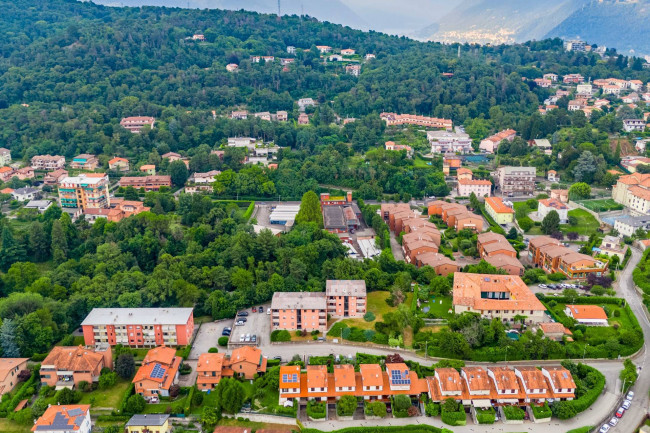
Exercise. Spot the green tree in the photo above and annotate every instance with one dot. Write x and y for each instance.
(107, 380)
(135, 404)
(125, 365)
(402, 402)
(8, 339)
(178, 172)
(11, 250)
(68, 396)
(474, 202)
(579, 191)
(346, 405)
(38, 242)
(230, 394)
(59, 243)
(310, 209)
(551, 223)
(629, 374)
(512, 233)
(210, 417)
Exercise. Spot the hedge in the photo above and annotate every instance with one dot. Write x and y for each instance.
(128, 393)
(454, 418)
(513, 413)
(570, 408)
(249, 211)
(316, 410)
(432, 409)
(587, 300)
(421, 428)
(113, 418)
(486, 416)
(10, 405)
(541, 412)
(188, 401)
(585, 429)
(414, 301)
(280, 335)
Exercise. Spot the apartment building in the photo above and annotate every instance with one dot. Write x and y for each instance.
(633, 192)
(306, 311)
(449, 142)
(481, 188)
(500, 213)
(119, 210)
(85, 161)
(496, 296)
(139, 327)
(550, 255)
(414, 247)
(48, 162)
(346, 298)
(626, 226)
(149, 183)
(135, 123)
(5, 156)
(491, 144)
(159, 371)
(506, 263)
(55, 177)
(10, 368)
(388, 211)
(245, 362)
(515, 180)
(85, 191)
(630, 125)
(118, 164)
(64, 419)
(66, 367)
(423, 228)
(206, 178)
(413, 119)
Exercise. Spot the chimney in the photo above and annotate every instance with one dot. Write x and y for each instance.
(349, 195)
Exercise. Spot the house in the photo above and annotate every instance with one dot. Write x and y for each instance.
(172, 156)
(291, 49)
(159, 371)
(346, 298)
(299, 311)
(5, 156)
(344, 378)
(236, 115)
(551, 77)
(611, 246)
(305, 102)
(48, 162)
(24, 173)
(450, 162)
(630, 125)
(481, 188)
(139, 327)
(348, 52)
(197, 37)
(25, 193)
(506, 385)
(85, 191)
(335, 58)
(611, 89)
(324, 48)
(585, 89)
(393, 119)
(40, 205)
(148, 169)
(449, 382)
(118, 164)
(490, 144)
(449, 142)
(85, 161)
(561, 382)
(232, 67)
(576, 104)
(370, 56)
(543, 83)
(515, 180)
(561, 195)
(505, 297)
(499, 212)
(281, 116)
(205, 178)
(555, 331)
(303, 119)
(55, 177)
(119, 210)
(550, 204)
(135, 124)
(148, 423)
(372, 378)
(149, 183)
(573, 79)
(390, 145)
(477, 383)
(633, 192)
(550, 255)
(506, 263)
(534, 384)
(413, 247)
(209, 370)
(551, 176)
(441, 264)
(6, 191)
(632, 98)
(64, 419)
(246, 362)
(10, 368)
(354, 70)
(589, 315)
(66, 367)
(6, 173)
(491, 244)
(464, 174)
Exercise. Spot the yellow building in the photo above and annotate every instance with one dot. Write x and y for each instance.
(86, 191)
(148, 423)
(148, 169)
(499, 212)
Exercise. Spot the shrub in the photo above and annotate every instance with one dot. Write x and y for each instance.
(369, 316)
(376, 408)
(486, 416)
(569, 409)
(83, 386)
(432, 409)
(197, 399)
(401, 402)
(513, 413)
(346, 405)
(541, 412)
(280, 335)
(526, 223)
(107, 380)
(316, 409)
(412, 411)
(134, 404)
(457, 418)
(223, 341)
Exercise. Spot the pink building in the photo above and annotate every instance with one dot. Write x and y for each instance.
(305, 311)
(481, 188)
(346, 298)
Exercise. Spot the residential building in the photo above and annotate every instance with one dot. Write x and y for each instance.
(40, 205)
(464, 174)
(490, 144)
(281, 116)
(149, 183)
(560, 194)
(590, 315)
(370, 56)
(291, 49)
(266, 59)
(237, 115)
(198, 37)
(6, 173)
(543, 83)
(551, 77)
(506, 263)
(119, 210)
(632, 98)
(449, 383)
(48, 162)
(388, 211)
(499, 212)
(496, 296)
(286, 61)
(10, 368)
(324, 48)
(139, 327)
(551, 176)
(264, 115)
(534, 384)
(64, 419)
(206, 178)
(413, 119)
(515, 180)
(348, 52)
(25, 193)
(467, 220)
(449, 163)
(354, 70)
(85, 161)
(209, 370)
(506, 385)
(611, 246)
(576, 104)
(232, 67)
(575, 45)
(66, 367)
(6, 191)
(55, 177)
(5, 156)
(346, 298)
(441, 264)
(491, 244)
(340, 214)
(560, 381)
(585, 89)
(611, 89)
(85, 191)
(630, 125)
(148, 169)
(303, 119)
(415, 247)
(555, 331)
(390, 145)
(372, 378)
(481, 188)
(24, 173)
(573, 79)
(449, 142)
(148, 423)
(172, 156)
(246, 362)
(545, 206)
(550, 255)
(118, 164)
(299, 311)
(159, 371)
(136, 123)
(477, 384)
(305, 102)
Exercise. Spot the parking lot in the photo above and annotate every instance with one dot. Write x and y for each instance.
(539, 288)
(207, 337)
(258, 324)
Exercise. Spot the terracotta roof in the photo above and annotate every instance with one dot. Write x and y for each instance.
(551, 202)
(147, 167)
(540, 241)
(116, 159)
(560, 377)
(162, 354)
(504, 378)
(449, 379)
(574, 257)
(210, 362)
(317, 376)
(496, 246)
(344, 376)
(463, 170)
(8, 364)
(6, 191)
(289, 370)
(554, 328)
(474, 182)
(246, 354)
(476, 378)
(419, 235)
(64, 418)
(586, 312)
(532, 377)
(435, 259)
(640, 192)
(468, 287)
(371, 375)
(230, 429)
(73, 358)
(501, 260)
(496, 203)
(415, 244)
(488, 237)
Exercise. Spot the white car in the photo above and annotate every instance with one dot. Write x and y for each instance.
(241, 338)
(604, 429)
(543, 286)
(626, 404)
(630, 396)
(613, 421)
(268, 311)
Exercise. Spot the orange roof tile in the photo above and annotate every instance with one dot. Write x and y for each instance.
(344, 376)
(476, 378)
(317, 376)
(161, 354)
(210, 362)
(371, 375)
(586, 312)
(73, 358)
(9, 364)
(449, 379)
(290, 372)
(504, 378)
(62, 415)
(474, 182)
(560, 378)
(532, 377)
(246, 354)
(496, 203)
(468, 287)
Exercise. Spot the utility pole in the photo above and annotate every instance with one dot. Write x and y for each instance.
(426, 346)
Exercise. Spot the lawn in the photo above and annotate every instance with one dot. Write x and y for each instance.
(109, 398)
(253, 426)
(587, 224)
(601, 205)
(8, 426)
(418, 162)
(376, 303)
(440, 306)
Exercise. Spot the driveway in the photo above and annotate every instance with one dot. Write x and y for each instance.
(258, 324)
(396, 248)
(207, 337)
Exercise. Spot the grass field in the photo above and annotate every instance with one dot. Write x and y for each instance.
(421, 163)
(106, 397)
(440, 309)
(587, 224)
(376, 304)
(8, 426)
(601, 205)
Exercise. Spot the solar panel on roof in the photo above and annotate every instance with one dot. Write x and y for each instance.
(158, 371)
(290, 378)
(75, 412)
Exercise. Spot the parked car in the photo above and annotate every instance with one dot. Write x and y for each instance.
(241, 338)
(239, 323)
(604, 429)
(268, 310)
(321, 338)
(626, 404)
(242, 313)
(253, 338)
(543, 286)
(243, 319)
(260, 309)
(248, 338)
(630, 396)
(613, 421)
(153, 399)
(620, 412)
(279, 358)
(225, 332)
(254, 309)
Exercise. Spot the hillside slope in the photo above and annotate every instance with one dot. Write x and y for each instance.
(620, 25)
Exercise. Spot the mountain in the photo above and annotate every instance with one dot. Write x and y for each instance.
(617, 24)
(334, 11)
(500, 21)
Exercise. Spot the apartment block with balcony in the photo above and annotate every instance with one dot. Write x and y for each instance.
(66, 367)
(515, 180)
(346, 298)
(305, 311)
(85, 191)
(85, 161)
(48, 162)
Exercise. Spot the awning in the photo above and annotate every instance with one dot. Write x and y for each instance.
(481, 403)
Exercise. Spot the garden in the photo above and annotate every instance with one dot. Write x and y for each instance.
(600, 205)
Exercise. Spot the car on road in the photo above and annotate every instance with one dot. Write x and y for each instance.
(604, 429)
(543, 286)
(630, 396)
(260, 309)
(613, 421)
(321, 339)
(279, 358)
(242, 314)
(239, 323)
(626, 404)
(620, 412)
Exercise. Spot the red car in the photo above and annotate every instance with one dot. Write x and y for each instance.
(254, 310)
(620, 412)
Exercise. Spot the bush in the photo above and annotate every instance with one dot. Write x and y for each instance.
(541, 412)
(401, 402)
(280, 335)
(457, 418)
(369, 316)
(135, 404)
(197, 399)
(316, 409)
(376, 408)
(526, 223)
(223, 341)
(420, 428)
(107, 380)
(346, 405)
(513, 413)
(432, 409)
(486, 416)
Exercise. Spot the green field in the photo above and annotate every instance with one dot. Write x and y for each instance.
(440, 309)
(587, 223)
(601, 205)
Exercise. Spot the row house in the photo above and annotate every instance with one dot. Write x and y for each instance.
(48, 162)
(66, 367)
(158, 373)
(416, 245)
(491, 244)
(550, 255)
(449, 142)
(7, 173)
(456, 216)
(246, 362)
(135, 124)
(149, 183)
(490, 144)
(441, 264)
(392, 119)
(511, 265)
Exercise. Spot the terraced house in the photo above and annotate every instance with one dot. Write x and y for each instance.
(549, 254)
